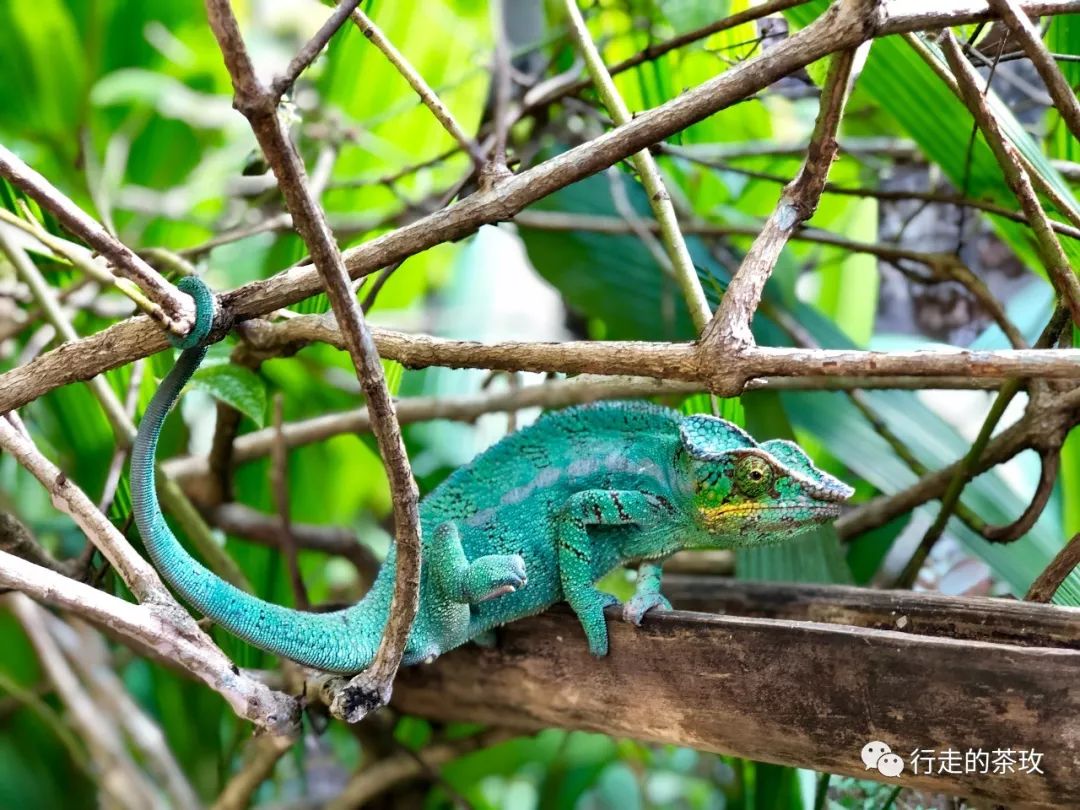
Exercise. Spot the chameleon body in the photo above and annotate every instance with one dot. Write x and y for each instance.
(536, 519)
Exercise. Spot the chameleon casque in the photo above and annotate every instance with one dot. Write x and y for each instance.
(536, 519)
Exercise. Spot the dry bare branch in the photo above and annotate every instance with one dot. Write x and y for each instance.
(164, 632)
(171, 307)
(722, 373)
(372, 687)
(730, 327)
(843, 26)
(260, 756)
(119, 777)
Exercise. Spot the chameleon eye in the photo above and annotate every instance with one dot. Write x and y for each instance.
(753, 475)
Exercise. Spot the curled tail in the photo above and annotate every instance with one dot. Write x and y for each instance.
(343, 641)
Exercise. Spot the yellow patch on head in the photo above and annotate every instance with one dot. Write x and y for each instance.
(716, 515)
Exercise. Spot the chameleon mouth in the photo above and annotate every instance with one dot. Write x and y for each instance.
(778, 515)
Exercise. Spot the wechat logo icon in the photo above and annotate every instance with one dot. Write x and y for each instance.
(877, 756)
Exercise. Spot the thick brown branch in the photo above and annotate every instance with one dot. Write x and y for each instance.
(722, 373)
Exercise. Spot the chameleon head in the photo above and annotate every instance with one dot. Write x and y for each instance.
(749, 494)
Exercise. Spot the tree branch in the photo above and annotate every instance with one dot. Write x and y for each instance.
(843, 26)
(311, 50)
(260, 108)
(1030, 40)
(170, 307)
(659, 200)
(427, 95)
(729, 329)
(165, 632)
(1047, 245)
(1047, 583)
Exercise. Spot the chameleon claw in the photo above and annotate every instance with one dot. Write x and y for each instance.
(636, 607)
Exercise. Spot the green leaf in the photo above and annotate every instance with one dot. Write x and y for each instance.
(905, 86)
(234, 385)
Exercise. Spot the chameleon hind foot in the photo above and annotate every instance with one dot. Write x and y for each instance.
(492, 576)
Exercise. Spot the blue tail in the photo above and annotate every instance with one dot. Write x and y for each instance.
(344, 641)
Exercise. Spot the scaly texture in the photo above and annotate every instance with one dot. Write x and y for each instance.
(536, 519)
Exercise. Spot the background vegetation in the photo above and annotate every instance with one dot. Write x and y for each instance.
(127, 109)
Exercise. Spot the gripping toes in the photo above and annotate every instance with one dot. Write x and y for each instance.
(589, 608)
(494, 575)
(639, 604)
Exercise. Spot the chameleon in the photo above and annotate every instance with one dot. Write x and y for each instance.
(538, 518)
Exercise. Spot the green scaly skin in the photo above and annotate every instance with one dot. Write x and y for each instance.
(567, 499)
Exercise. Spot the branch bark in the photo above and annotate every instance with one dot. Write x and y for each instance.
(682, 264)
(165, 633)
(259, 106)
(843, 26)
(171, 308)
(730, 327)
(1047, 245)
(1031, 41)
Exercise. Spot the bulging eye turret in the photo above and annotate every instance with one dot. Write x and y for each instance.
(753, 476)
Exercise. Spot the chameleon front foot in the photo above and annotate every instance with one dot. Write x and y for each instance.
(589, 608)
(639, 604)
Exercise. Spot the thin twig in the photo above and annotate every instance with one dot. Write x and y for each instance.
(172, 308)
(16, 539)
(1050, 464)
(659, 200)
(939, 264)
(371, 781)
(1047, 245)
(885, 195)
(1046, 584)
(495, 170)
(730, 327)
(311, 50)
(428, 96)
(1030, 40)
(372, 687)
